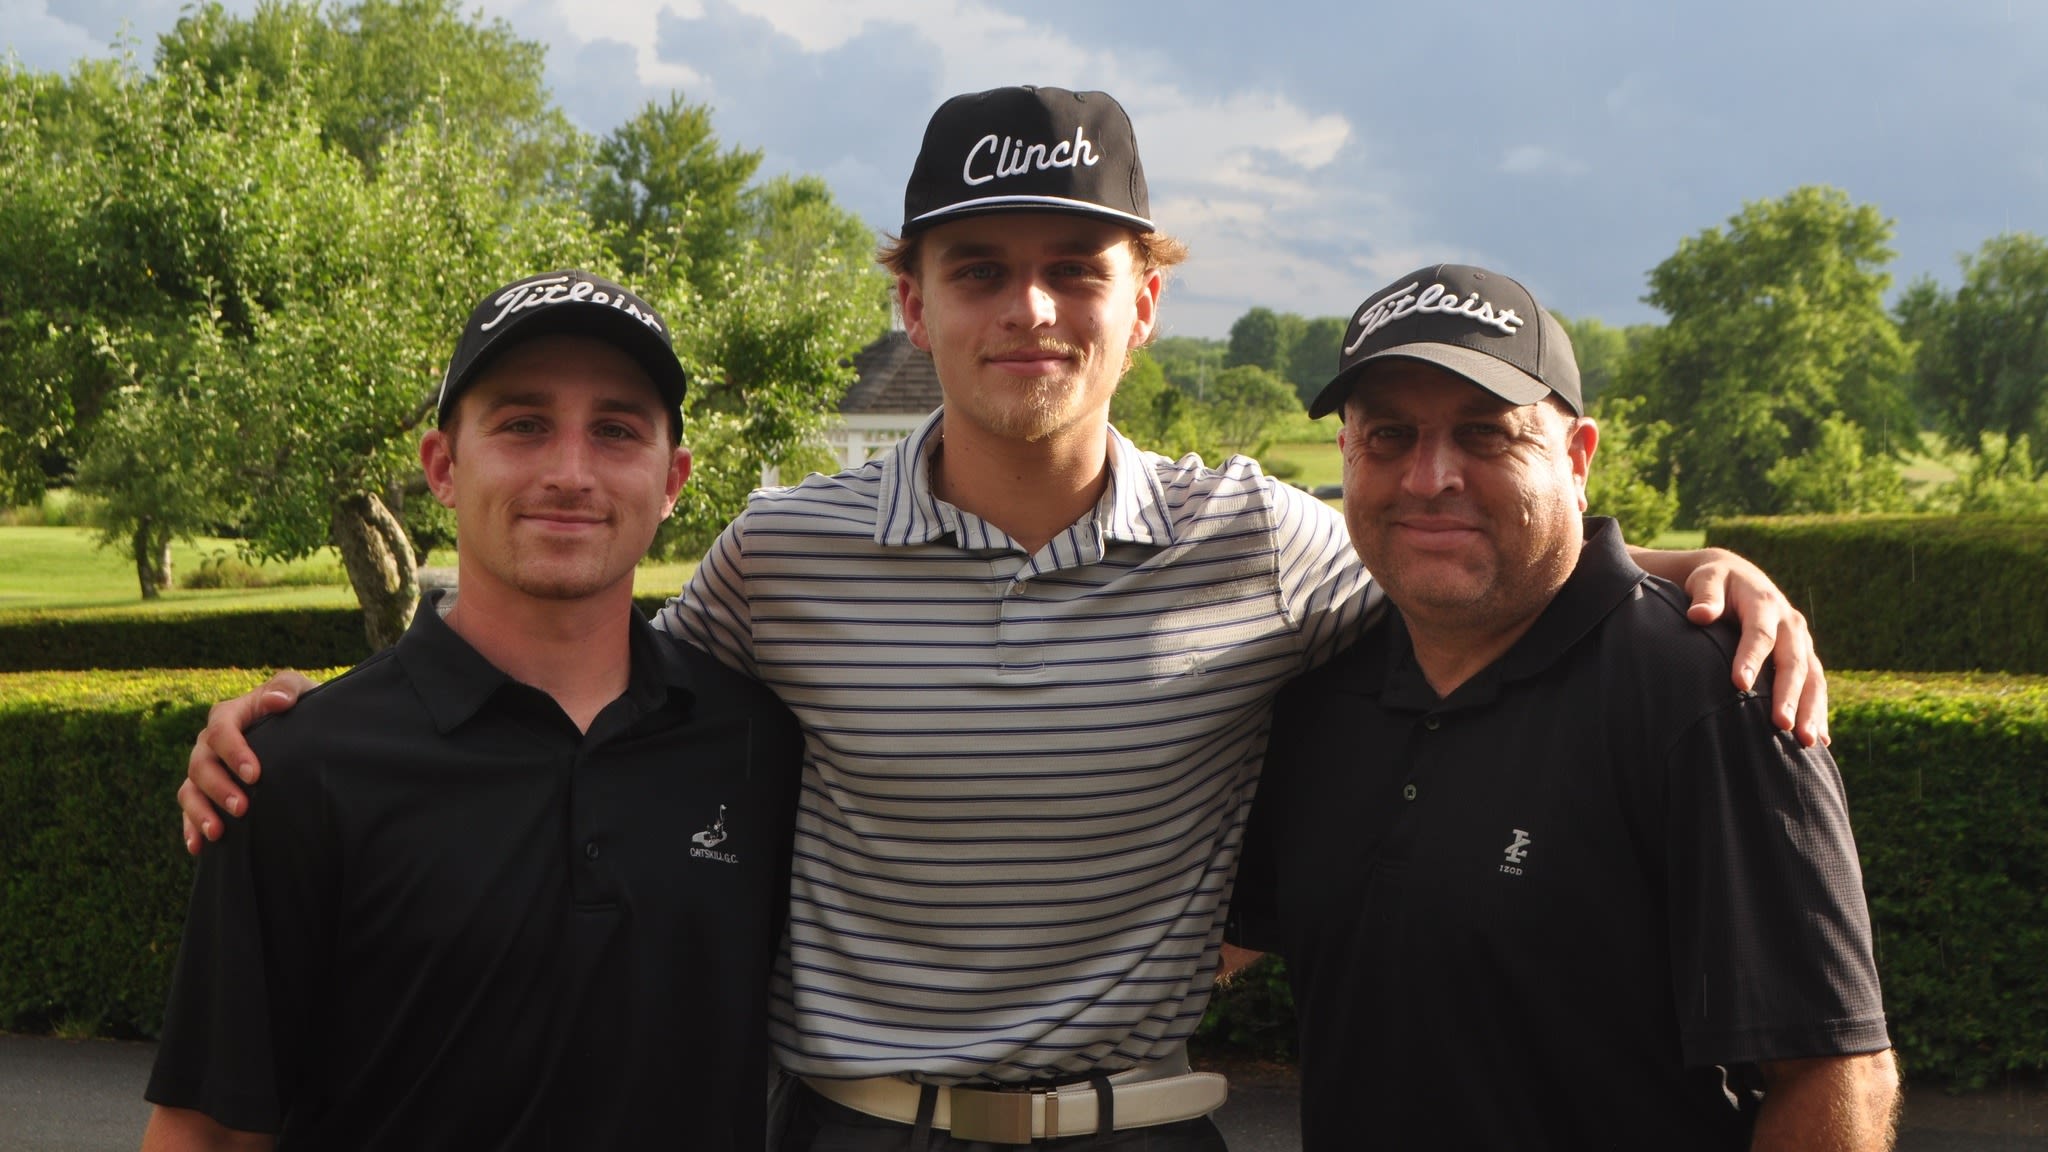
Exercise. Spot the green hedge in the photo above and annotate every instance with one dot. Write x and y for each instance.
(197, 638)
(1948, 784)
(1910, 593)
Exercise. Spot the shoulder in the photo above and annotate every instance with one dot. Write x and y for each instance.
(1196, 494)
(366, 698)
(720, 690)
(849, 499)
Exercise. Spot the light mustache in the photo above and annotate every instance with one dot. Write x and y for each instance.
(1047, 349)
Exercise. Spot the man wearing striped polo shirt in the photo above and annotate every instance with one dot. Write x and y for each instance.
(1033, 665)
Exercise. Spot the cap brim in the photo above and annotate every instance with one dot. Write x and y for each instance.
(992, 205)
(1495, 375)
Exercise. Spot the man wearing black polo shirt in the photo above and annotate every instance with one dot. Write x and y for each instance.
(1543, 879)
(515, 882)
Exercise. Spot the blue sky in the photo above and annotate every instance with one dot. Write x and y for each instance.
(1310, 152)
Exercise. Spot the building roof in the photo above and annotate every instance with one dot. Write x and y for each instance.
(894, 376)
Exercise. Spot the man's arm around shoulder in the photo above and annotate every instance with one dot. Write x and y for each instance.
(186, 1130)
(1830, 1104)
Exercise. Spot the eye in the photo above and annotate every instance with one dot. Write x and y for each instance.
(978, 272)
(523, 425)
(1484, 439)
(1386, 438)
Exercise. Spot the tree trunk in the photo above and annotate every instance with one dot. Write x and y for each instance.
(163, 569)
(378, 558)
(148, 571)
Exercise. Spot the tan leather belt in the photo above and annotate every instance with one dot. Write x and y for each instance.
(1162, 1092)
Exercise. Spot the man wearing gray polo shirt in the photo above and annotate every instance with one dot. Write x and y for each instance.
(1033, 665)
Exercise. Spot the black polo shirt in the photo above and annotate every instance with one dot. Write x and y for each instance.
(1569, 907)
(451, 920)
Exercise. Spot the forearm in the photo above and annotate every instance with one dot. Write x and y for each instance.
(1839, 1104)
(1676, 567)
(184, 1130)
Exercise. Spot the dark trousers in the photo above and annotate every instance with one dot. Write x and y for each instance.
(811, 1123)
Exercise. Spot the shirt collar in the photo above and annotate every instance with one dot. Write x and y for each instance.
(1133, 510)
(455, 681)
(1602, 579)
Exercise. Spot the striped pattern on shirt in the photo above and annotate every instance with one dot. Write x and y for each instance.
(1026, 776)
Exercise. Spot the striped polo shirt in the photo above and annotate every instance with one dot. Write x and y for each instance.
(1026, 776)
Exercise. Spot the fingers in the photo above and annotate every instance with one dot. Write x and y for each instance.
(1812, 725)
(201, 822)
(1708, 587)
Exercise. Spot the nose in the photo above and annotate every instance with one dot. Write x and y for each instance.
(1433, 466)
(1030, 304)
(567, 467)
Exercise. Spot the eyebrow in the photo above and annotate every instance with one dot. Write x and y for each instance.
(982, 250)
(544, 399)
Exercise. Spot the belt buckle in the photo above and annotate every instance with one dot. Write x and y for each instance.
(990, 1116)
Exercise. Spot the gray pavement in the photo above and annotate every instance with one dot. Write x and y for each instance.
(86, 1096)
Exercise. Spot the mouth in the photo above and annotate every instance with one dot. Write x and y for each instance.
(1036, 361)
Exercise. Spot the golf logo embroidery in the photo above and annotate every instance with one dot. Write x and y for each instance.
(709, 839)
(1517, 852)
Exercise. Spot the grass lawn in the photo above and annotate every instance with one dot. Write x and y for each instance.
(1320, 462)
(60, 570)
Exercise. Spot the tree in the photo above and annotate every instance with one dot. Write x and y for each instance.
(278, 314)
(371, 68)
(1244, 403)
(1981, 354)
(662, 175)
(1625, 460)
(771, 291)
(1601, 350)
(1159, 415)
(1837, 475)
(1313, 359)
(1189, 362)
(1264, 339)
(1777, 324)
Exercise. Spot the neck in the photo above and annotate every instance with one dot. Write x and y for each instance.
(1450, 655)
(1031, 489)
(576, 651)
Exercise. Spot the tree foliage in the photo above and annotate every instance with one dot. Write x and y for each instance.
(1981, 353)
(371, 68)
(1777, 324)
(265, 301)
(1626, 459)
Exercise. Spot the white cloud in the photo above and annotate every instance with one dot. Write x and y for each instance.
(45, 41)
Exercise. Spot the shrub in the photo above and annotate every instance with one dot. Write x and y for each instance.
(1947, 778)
(198, 637)
(1910, 593)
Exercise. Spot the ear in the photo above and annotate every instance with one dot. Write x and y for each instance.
(1584, 442)
(910, 304)
(437, 460)
(1148, 308)
(678, 475)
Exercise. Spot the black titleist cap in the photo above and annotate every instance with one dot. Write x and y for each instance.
(1478, 324)
(566, 303)
(1028, 149)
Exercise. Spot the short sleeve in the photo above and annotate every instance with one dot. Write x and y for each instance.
(713, 611)
(1770, 936)
(239, 1028)
(1323, 584)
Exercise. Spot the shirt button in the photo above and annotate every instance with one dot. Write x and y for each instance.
(590, 850)
(1408, 792)
(1432, 723)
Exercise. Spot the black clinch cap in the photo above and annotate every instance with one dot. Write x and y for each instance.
(1478, 324)
(566, 303)
(1028, 149)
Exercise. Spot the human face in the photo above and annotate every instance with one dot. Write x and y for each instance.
(1464, 507)
(1030, 319)
(559, 469)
